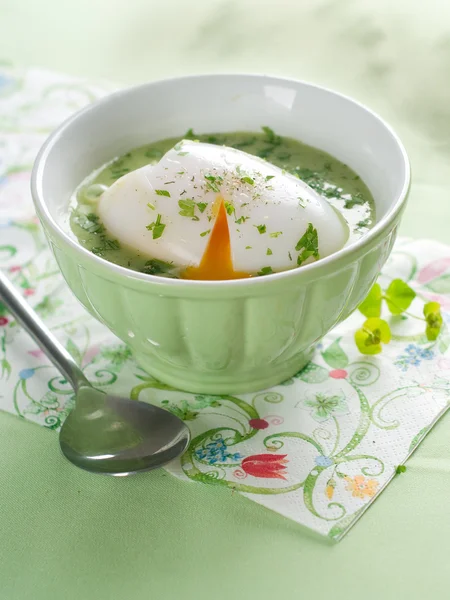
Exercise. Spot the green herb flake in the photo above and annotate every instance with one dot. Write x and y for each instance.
(241, 220)
(111, 244)
(269, 177)
(156, 227)
(202, 206)
(183, 153)
(290, 256)
(187, 208)
(189, 135)
(265, 271)
(212, 182)
(270, 188)
(229, 208)
(269, 252)
(248, 247)
(308, 245)
(205, 233)
(248, 180)
(301, 202)
(356, 199)
(364, 223)
(271, 138)
(162, 193)
(90, 223)
(275, 234)
(156, 267)
(261, 228)
(400, 469)
(153, 153)
(150, 205)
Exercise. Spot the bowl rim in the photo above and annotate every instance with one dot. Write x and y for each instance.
(44, 213)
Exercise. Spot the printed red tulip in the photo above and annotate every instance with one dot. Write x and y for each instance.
(265, 465)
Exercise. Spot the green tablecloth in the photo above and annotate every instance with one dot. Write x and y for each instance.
(68, 534)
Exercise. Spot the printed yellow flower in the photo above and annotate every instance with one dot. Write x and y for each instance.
(360, 486)
(329, 490)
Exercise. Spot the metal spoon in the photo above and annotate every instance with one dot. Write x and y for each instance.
(104, 433)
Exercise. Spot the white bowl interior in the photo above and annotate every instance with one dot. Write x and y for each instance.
(216, 103)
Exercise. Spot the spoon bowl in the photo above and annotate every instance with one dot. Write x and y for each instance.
(104, 433)
(117, 436)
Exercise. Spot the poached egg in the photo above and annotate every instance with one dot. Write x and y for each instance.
(220, 213)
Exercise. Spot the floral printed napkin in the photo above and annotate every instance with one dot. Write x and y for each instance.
(318, 449)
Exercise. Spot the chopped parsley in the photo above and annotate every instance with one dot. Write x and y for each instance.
(354, 200)
(269, 252)
(156, 267)
(275, 234)
(261, 228)
(162, 193)
(308, 245)
(244, 144)
(271, 138)
(150, 205)
(107, 244)
(156, 227)
(400, 469)
(154, 154)
(187, 208)
(241, 220)
(90, 223)
(212, 181)
(248, 180)
(205, 233)
(265, 271)
(229, 208)
(201, 206)
(364, 223)
(269, 177)
(290, 256)
(248, 247)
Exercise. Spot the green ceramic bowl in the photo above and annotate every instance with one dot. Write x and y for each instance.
(226, 336)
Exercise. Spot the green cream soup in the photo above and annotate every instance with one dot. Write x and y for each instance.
(330, 178)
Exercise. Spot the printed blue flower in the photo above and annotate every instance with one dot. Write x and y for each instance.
(413, 357)
(26, 373)
(216, 451)
(323, 461)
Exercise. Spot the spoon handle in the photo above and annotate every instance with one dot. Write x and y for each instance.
(30, 321)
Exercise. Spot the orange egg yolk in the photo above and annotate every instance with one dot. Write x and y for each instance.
(217, 263)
